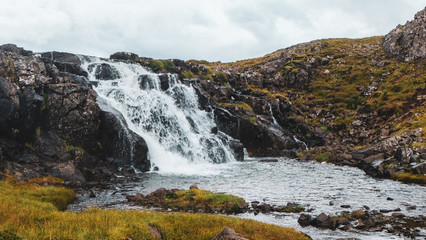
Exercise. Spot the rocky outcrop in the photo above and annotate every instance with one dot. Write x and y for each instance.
(51, 124)
(368, 220)
(408, 42)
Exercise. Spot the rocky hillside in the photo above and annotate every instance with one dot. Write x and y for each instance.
(357, 102)
(50, 123)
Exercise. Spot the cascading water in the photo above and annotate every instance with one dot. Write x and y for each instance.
(165, 112)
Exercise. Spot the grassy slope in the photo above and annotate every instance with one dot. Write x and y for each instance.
(32, 212)
(335, 86)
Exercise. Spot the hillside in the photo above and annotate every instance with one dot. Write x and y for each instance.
(357, 102)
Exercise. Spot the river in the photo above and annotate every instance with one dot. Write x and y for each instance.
(320, 187)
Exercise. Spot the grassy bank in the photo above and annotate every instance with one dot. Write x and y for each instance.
(33, 212)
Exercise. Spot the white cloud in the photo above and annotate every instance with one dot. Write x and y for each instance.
(212, 30)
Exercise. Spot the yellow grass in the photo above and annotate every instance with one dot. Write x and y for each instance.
(31, 212)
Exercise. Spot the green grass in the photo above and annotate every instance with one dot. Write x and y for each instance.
(32, 212)
(187, 74)
(241, 105)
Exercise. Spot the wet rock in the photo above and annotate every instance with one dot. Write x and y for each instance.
(345, 206)
(103, 71)
(304, 220)
(121, 144)
(324, 221)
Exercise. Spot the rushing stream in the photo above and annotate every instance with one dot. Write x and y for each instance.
(165, 112)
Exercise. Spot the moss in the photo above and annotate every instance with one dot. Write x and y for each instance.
(411, 178)
(237, 105)
(44, 105)
(37, 131)
(187, 74)
(252, 119)
(161, 64)
(322, 157)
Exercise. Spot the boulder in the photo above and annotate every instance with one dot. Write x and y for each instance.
(228, 234)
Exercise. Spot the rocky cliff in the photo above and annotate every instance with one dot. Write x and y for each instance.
(50, 123)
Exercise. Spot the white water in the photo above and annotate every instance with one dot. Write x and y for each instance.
(177, 132)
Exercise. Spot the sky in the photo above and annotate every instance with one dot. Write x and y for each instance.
(213, 30)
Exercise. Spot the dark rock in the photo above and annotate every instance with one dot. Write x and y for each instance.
(304, 220)
(389, 199)
(72, 113)
(193, 187)
(345, 206)
(124, 56)
(103, 71)
(146, 83)
(324, 221)
(13, 48)
(164, 81)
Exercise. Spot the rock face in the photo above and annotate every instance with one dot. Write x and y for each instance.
(51, 124)
(408, 42)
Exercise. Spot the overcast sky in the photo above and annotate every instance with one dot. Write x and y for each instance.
(216, 30)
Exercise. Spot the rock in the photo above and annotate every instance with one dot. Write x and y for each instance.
(324, 221)
(345, 206)
(304, 220)
(228, 234)
(359, 214)
(68, 172)
(155, 232)
(408, 42)
(103, 71)
(121, 144)
(72, 113)
(13, 48)
(193, 187)
(389, 199)
(124, 56)
(398, 215)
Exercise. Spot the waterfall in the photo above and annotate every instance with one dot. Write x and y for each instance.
(164, 111)
(274, 121)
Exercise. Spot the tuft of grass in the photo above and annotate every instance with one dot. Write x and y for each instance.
(411, 178)
(27, 213)
(187, 74)
(252, 119)
(241, 105)
(322, 157)
(161, 64)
